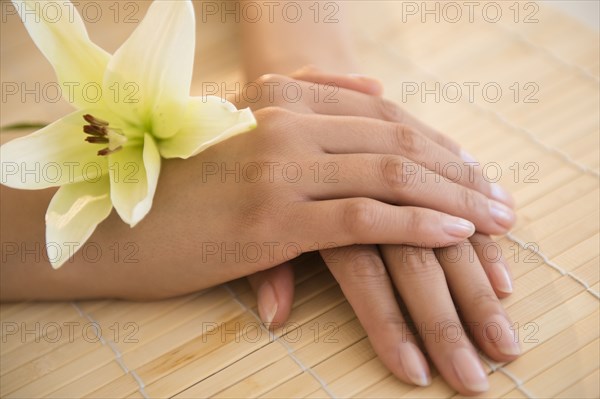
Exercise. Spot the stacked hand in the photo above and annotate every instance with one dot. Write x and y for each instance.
(471, 275)
(351, 175)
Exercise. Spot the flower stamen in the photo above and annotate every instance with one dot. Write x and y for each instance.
(100, 133)
(94, 121)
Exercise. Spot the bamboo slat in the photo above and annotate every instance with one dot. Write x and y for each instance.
(549, 154)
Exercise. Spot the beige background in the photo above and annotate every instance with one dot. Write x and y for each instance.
(553, 250)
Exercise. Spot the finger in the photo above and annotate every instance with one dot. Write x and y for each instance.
(343, 222)
(495, 266)
(366, 284)
(479, 305)
(360, 83)
(274, 289)
(397, 180)
(358, 104)
(363, 135)
(348, 101)
(332, 100)
(420, 280)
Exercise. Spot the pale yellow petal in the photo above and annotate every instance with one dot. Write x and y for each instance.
(59, 32)
(72, 216)
(134, 175)
(157, 60)
(208, 121)
(53, 156)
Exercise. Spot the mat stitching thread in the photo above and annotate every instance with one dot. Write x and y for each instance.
(289, 350)
(111, 345)
(521, 37)
(501, 118)
(533, 138)
(552, 264)
(518, 383)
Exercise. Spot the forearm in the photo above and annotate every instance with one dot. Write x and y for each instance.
(117, 261)
(278, 45)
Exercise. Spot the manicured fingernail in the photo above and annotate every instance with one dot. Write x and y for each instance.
(267, 303)
(505, 339)
(466, 156)
(376, 88)
(469, 371)
(500, 194)
(458, 227)
(502, 214)
(414, 365)
(502, 281)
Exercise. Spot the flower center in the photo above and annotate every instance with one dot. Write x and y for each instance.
(100, 133)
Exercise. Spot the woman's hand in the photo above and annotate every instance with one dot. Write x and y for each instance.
(425, 283)
(431, 287)
(304, 180)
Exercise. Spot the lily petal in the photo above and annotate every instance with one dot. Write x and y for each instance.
(59, 32)
(73, 214)
(156, 62)
(133, 179)
(208, 121)
(53, 156)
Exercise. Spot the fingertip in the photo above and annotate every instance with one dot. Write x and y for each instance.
(467, 367)
(457, 228)
(501, 280)
(368, 84)
(267, 303)
(503, 216)
(500, 194)
(285, 295)
(414, 365)
(274, 293)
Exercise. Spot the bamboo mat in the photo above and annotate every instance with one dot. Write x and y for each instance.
(170, 349)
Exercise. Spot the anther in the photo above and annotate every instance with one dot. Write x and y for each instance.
(100, 133)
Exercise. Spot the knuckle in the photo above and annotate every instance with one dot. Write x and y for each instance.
(470, 200)
(360, 216)
(393, 322)
(411, 141)
(413, 221)
(274, 119)
(388, 110)
(447, 143)
(441, 327)
(270, 88)
(271, 114)
(391, 170)
(484, 297)
(367, 265)
(417, 261)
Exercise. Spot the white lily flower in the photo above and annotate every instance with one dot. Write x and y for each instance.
(157, 119)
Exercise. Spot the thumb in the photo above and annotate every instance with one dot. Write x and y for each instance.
(274, 289)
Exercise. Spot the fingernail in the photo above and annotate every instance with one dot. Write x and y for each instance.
(466, 156)
(358, 76)
(469, 371)
(505, 339)
(502, 281)
(458, 227)
(375, 85)
(267, 303)
(502, 214)
(413, 365)
(500, 194)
